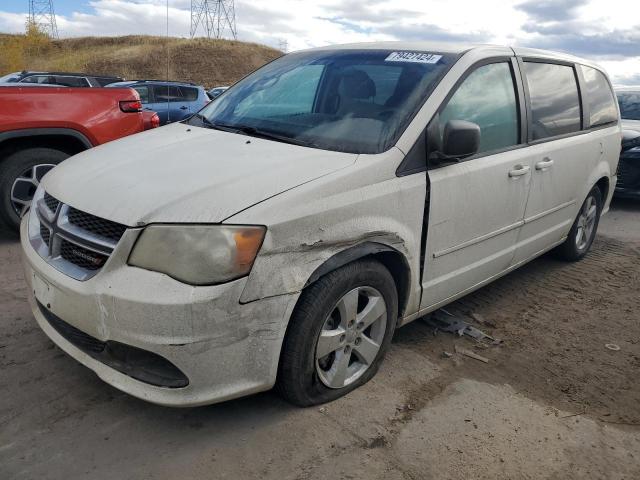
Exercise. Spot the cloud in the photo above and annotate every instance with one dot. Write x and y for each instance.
(601, 30)
(551, 10)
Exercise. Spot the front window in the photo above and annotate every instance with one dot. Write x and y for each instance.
(629, 105)
(357, 101)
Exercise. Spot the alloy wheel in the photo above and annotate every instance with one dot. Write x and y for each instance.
(351, 337)
(586, 222)
(24, 187)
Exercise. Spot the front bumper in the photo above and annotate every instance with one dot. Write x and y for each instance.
(225, 349)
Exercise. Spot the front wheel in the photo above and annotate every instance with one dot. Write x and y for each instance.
(584, 228)
(338, 333)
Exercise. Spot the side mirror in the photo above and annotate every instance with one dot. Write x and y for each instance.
(630, 139)
(461, 139)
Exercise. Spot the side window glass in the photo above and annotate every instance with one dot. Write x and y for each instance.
(189, 94)
(169, 93)
(555, 102)
(144, 93)
(599, 97)
(487, 97)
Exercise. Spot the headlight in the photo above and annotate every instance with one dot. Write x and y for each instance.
(198, 254)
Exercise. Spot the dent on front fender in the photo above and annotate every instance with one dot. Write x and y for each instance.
(291, 267)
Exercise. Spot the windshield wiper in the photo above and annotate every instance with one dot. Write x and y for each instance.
(255, 132)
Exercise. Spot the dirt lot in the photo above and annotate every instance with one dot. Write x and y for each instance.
(552, 402)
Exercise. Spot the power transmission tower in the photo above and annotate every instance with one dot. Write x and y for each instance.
(42, 16)
(215, 16)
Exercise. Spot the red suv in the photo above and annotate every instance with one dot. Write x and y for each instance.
(41, 126)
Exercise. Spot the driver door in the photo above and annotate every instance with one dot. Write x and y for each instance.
(477, 205)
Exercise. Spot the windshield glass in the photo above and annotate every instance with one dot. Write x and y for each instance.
(12, 77)
(357, 101)
(629, 105)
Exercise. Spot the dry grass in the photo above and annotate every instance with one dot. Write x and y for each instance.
(206, 62)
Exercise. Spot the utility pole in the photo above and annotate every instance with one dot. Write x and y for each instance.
(283, 45)
(216, 17)
(43, 17)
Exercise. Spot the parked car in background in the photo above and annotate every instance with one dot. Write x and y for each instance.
(41, 126)
(629, 169)
(282, 233)
(216, 92)
(66, 79)
(172, 101)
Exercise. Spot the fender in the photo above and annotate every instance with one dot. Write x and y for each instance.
(39, 132)
(349, 255)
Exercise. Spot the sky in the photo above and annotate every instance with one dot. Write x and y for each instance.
(606, 31)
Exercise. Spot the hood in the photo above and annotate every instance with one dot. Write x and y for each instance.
(181, 173)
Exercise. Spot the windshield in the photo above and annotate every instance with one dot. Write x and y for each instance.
(629, 105)
(357, 101)
(12, 77)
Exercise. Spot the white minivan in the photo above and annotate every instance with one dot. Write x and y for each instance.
(280, 235)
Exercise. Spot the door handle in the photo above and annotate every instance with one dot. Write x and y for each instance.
(183, 107)
(544, 164)
(519, 170)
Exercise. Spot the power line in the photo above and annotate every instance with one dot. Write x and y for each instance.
(215, 17)
(43, 17)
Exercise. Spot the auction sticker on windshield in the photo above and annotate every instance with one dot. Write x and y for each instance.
(414, 57)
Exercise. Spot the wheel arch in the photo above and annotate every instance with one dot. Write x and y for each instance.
(603, 185)
(64, 139)
(391, 258)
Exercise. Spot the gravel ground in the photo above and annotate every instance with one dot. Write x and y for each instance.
(552, 402)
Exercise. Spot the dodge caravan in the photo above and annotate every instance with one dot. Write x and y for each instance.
(280, 235)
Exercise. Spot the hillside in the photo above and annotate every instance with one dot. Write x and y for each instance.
(202, 61)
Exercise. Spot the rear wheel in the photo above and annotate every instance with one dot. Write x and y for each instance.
(584, 228)
(338, 333)
(21, 174)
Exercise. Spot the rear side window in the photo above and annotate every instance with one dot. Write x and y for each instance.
(37, 79)
(169, 93)
(70, 81)
(555, 102)
(189, 94)
(599, 97)
(143, 92)
(487, 97)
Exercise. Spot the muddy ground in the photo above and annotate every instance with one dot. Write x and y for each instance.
(553, 401)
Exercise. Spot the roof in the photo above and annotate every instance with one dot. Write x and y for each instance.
(459, 49)
(73, 74)
(162, 82)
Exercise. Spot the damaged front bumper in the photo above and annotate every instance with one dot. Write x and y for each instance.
(156, 338)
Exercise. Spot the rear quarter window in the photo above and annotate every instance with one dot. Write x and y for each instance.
(189, 94)
(599, 98)
(555, 101)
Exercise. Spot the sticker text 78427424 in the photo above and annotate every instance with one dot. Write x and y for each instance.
(414, 57)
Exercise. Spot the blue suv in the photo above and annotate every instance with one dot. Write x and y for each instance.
(172, 101)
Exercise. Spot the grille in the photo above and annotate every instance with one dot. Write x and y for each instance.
(96, 225)
(74, 242)
(51, 202)
(77, 337)
(45, 233)
(82, 257)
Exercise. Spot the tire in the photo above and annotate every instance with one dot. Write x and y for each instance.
(306, 376)
(26, 167)
(584, 228)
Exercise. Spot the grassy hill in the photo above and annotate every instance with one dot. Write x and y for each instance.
(202, 61)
